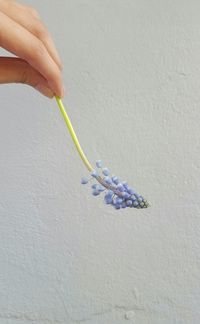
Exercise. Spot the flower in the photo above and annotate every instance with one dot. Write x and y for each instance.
(116, 193)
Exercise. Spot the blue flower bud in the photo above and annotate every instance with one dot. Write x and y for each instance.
(108, 180)
(117, 206)
(105, 171)
(135, 203)
(101, 188)
(123, 204)
(125, 184)
(120, 187)
(95, 192)
(99, 164)
(84, 180)
(133, 197)
(115, 180)
(129, 202)
(126, 195)
(119, 200)
(131, 191)
(94, 173)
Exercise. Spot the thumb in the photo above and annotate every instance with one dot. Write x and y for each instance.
(16, 70)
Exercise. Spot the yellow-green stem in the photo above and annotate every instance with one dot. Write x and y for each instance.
(72, 133)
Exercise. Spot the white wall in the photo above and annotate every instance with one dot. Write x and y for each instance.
(132, 72)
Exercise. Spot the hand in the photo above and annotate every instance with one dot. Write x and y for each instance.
(37, 63)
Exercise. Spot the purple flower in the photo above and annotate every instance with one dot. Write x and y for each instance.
(117, 194)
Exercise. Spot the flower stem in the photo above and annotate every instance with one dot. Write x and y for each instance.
(73, 134)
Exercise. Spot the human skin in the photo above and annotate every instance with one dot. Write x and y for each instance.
(36, 61)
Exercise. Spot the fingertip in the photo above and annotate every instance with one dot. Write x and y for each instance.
(59, 91)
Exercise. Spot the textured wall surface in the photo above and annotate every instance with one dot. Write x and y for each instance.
(132, 71)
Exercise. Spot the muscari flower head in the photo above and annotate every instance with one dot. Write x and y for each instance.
(116, 193)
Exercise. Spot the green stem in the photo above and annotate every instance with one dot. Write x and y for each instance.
(73, 134)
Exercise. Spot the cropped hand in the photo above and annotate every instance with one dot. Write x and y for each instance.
(37, 62)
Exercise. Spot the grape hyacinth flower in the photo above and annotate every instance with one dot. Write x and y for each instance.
(117, 194)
